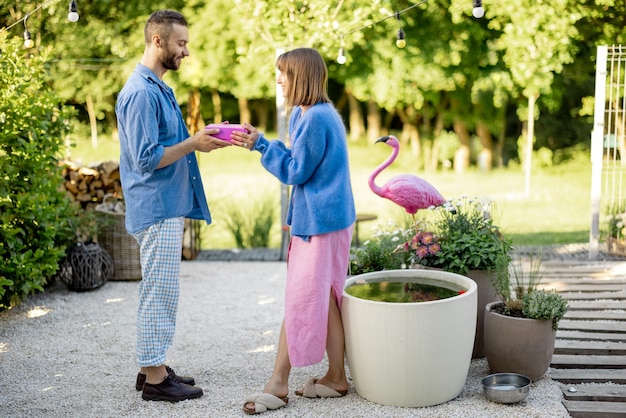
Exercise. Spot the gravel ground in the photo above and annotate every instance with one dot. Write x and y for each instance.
(71, 354)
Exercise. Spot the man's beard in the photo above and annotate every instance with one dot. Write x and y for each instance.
(170, 62)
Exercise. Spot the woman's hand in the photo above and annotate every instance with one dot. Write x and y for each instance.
(245, 139)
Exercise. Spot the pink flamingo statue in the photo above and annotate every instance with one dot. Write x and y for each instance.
(409, 191)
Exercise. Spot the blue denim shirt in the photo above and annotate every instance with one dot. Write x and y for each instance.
(149, 119)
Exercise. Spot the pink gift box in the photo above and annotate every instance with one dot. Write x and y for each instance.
(226, 129)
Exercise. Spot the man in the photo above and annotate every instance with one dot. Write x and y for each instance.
(162, 185)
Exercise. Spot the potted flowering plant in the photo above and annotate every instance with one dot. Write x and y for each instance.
(461, 237)
(520, 329)
(390, 360)
(458, 237)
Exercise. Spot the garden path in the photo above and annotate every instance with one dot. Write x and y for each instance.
(590, 352)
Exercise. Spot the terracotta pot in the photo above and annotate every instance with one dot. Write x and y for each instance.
(486, 294)
(518, 345)
(410, 354)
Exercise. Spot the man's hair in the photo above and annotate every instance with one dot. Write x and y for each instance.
(307, 76)
(160, 23)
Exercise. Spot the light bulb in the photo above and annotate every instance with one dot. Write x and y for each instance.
(73, 12)
(341, 58)
(28, 42)
(400, 41)
(478, 12)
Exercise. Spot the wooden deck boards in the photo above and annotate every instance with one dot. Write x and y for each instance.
(578, 409)
(592, 361)
(591, 339)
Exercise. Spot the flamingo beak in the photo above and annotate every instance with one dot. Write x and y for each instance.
(382, 139)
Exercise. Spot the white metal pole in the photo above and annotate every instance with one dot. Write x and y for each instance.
(281, 125)
(597, 136)
(530, 139)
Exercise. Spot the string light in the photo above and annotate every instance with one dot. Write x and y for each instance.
(478, 10)
(73, 12)
(341, 57)
(28, 41)
(400, 41)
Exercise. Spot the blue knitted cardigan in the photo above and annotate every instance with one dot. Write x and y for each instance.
(317, 167)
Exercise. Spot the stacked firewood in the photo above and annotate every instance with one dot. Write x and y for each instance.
(89, 185)
(98, 187)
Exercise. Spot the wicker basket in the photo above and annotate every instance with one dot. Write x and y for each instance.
(122, 246)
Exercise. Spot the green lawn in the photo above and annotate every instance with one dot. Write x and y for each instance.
(557, 210)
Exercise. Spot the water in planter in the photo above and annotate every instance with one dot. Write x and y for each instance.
(402, 291)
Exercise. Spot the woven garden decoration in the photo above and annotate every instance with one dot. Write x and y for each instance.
(86, 267)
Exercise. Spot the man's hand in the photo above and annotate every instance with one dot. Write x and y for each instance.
(203, 140)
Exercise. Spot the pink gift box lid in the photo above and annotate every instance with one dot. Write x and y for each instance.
(226, 129)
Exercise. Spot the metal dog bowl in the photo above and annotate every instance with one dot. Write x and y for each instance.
(506, 387)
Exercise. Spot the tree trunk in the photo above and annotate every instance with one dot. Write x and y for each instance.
(485, 158)
(357, 127)
(261, 110)
(93, 123)
(528, 154)
(341, 101)
(431, 158)
(244, 110)
(410, 133)
(217, 106)
(462, 154)
(497, 150)
(373, 122)
(194, 116)
(387, 120)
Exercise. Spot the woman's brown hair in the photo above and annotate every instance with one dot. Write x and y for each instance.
(307, 76)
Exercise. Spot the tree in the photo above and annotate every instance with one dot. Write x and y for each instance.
(537, 41)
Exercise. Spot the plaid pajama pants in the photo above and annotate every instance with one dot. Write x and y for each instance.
(160, 252)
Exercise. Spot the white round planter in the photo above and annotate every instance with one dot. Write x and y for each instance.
(410, 354)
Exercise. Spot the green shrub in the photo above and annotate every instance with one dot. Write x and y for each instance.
(383, 251)
(250, 226)
(470, 239)
(34, 213)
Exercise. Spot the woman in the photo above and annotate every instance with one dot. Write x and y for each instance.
(321, 215)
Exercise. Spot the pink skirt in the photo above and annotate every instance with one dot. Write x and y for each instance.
(314, 269)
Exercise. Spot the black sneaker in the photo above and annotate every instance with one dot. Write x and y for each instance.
(141, 378)
(170, 390)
